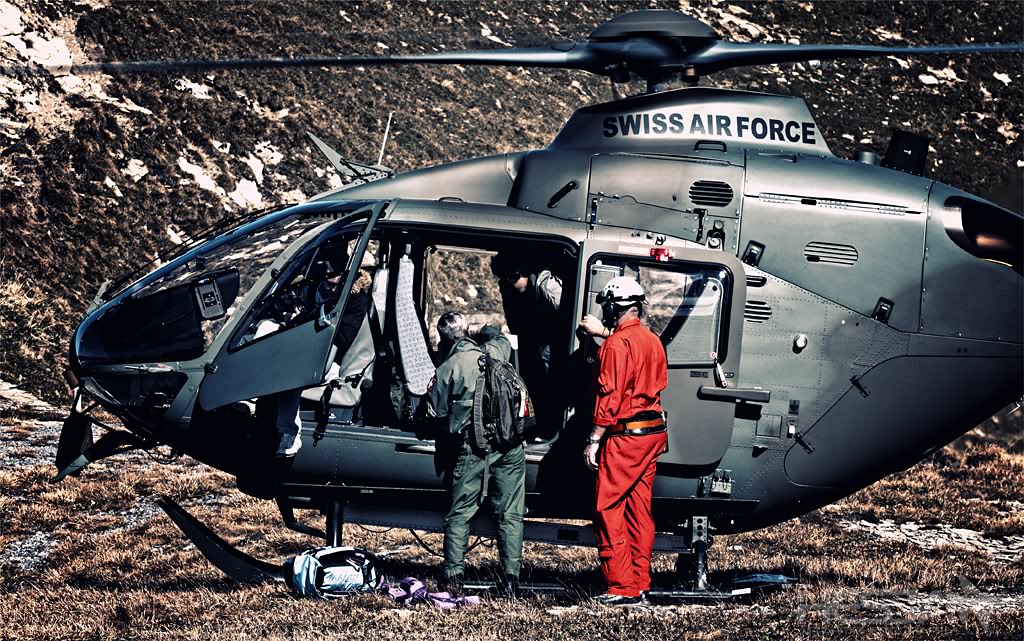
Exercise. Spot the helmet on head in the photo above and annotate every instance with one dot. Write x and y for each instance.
(332, 260)
(622, 292)
(618, 295)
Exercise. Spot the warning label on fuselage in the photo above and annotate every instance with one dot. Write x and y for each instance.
(712, 125)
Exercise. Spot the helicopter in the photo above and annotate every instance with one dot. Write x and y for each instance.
(862, 293)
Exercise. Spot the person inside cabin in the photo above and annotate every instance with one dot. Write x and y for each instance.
(531, 295)
(322, 290)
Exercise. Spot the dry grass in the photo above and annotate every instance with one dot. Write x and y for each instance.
(966, 488)
(33, 335)
(108, 576)
(99, 560)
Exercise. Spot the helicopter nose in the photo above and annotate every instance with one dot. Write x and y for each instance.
(126, 353)
(162, 326)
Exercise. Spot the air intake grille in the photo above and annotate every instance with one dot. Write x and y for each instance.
(753, 280)
(830, 253)
(711, 193)
(756, 311)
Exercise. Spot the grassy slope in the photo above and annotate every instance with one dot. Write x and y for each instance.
(66, 228)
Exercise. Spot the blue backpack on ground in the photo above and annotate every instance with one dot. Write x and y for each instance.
(333, 572)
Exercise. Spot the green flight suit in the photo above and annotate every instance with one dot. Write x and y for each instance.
(451, 395)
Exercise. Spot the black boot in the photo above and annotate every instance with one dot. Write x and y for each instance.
(453, 585)
(508, 586)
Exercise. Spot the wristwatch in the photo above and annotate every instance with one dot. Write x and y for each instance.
(592, 440)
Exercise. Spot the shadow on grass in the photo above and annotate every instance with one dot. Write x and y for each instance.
(85, 581)
(560, 587)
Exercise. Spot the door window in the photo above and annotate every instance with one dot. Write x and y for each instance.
(295, 351)
(310, 281)
(686, 305)
(685, 310)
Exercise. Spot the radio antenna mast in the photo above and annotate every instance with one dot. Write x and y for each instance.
(387, 130)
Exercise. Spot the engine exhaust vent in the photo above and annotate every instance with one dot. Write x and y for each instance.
(756, 311)
(711, 193)
(817, 252)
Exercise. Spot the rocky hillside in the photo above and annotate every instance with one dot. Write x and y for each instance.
(99, 172)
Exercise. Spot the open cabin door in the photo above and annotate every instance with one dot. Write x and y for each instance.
(285, 340)
(695, 305)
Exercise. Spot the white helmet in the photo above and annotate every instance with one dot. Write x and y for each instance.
(623, 292)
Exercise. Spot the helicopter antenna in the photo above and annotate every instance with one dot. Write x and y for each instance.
(617, 93)
(387, 130)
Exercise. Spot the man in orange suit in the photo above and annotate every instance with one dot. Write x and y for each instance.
(627, 438)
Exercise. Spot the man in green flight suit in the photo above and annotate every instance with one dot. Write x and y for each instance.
(450, 395)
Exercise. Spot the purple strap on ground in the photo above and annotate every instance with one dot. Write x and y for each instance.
(411, 591)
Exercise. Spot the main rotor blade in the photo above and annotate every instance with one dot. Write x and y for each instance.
(568, 56)
(630, 47)
(726, 55)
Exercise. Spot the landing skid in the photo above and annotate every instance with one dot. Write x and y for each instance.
(692, 567)
(488, 587)
(741, 587)
(227, 558)
(692, 572)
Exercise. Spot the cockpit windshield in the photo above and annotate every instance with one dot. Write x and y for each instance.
(181, 309)
(250, 255)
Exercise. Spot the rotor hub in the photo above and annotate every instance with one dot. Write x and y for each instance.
(653, 23)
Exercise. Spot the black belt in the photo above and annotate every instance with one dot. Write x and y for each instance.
(640, 425)
(636, 431)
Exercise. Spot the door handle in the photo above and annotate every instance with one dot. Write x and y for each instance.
(734, 394)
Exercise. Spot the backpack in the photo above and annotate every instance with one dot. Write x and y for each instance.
(502, 409)
(333, 572)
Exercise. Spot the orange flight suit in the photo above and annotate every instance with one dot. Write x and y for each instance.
(633, 372)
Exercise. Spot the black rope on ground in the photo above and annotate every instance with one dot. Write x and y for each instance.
(424, 545)
(478, 541)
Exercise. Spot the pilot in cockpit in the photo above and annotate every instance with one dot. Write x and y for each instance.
(302, 304)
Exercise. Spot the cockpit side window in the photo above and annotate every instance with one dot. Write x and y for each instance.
(312, 281)
(250, 254)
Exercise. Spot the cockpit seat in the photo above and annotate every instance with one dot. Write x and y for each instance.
(355, 369)
(350, 372)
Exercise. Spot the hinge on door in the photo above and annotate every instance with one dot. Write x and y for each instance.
(592, 219)
(701, 213)
(860, 386)
(719, 373)
(798, 436)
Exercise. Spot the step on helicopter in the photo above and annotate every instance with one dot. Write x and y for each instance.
(821, 315)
